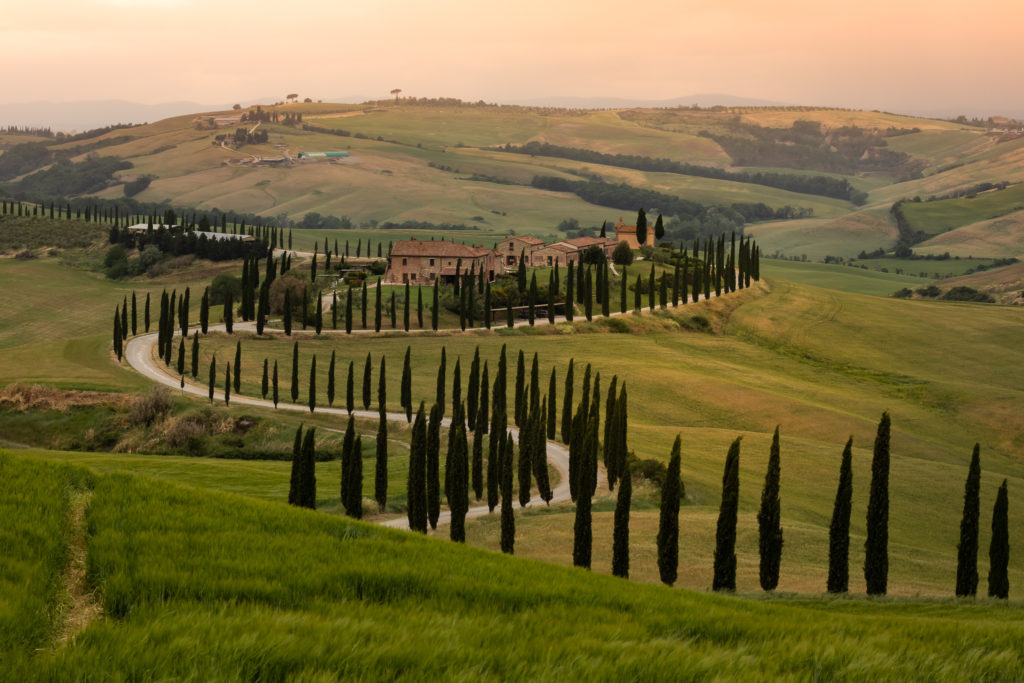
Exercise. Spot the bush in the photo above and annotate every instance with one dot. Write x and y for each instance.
(151, 406)
(930, 291)
(653, 471)
(904, 293)
(963, 293)
(623, 255)
(225, 284)
(136, 186)
(593, 255)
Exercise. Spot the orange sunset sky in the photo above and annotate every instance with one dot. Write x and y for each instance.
(926, 57)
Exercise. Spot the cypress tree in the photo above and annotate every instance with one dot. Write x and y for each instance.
(487, 305)
(227, 384)
(570, 280)
(213, 375)
(394, 312)
(195, 355)
(434, 466)
(309, 470)
(265, 382)
(380, 479)
(204, 311)
(725, 536)
(347, 472)
(539, 453)
(552, 399)
(457, 387)
(508, 522)
(367, 380)
(588, 303)
(117, 334)
(145, 314)
(441, 369)
(377, 311)
(769, 521)
(295, 372)
(637, 301)
(229, 315)
(458, 499)
(419, 307)
(481, 411)
(531, 300)
(876, 547)
(295, 482)
(274, 387)
(567, 403)
(967, 549)
(534, 385)
(312, 384)
(521, 272)
(999, 548)
(238, 365)
(334, 310)
(478, 459)
(520, 404)
(287, 316)
(364, 304)
(620, 535)
(434, 308)
(348, 311)
(405, 315)
(319, 324)
(609, 442)
(552, 291)
(606, 299)
(406, 397)
(330, 382)
(350, 388)
(382, 397)
(417, 496)
(641, 227)
(473, 390)
(497, 440)
(659, 228)
(135, 326)
(668, 525)
(525, 462)
(650, 289)
(124, 320)
(582, 530)
(355, 508)
(839, 529)
(181, 360)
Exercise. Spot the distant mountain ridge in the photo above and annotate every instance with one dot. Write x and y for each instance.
(702, 100)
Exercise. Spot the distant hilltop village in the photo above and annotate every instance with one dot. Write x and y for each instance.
(420, 262)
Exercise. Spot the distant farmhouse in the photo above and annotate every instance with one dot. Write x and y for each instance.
(421, 262)
(627, 233)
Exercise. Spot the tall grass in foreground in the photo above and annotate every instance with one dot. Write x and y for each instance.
(208, 586)
(34, 500)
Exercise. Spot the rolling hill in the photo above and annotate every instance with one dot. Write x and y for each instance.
(442, 161)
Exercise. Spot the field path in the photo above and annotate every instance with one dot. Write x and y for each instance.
(83, 606)
(140, 354)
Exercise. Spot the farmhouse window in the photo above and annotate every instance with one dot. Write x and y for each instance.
(405, 262)
(431, 261)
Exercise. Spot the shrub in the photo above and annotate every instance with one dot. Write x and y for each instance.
(623, 255)
(225, 284)
(151, 406)
(904, 293)
(963, 293)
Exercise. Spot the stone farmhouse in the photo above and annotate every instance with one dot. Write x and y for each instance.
(421, 262)
(627, 234)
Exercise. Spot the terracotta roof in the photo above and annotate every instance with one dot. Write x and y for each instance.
(529, 239)
(558, 246)
(436, 249)
(584, 242)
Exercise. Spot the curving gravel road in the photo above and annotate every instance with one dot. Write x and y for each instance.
(140, 355)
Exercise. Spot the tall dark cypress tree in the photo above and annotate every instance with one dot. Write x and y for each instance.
(405, 310)
(367, 382)
(570, 281)
(380, 479)
(508, 522)
(295, 482)
(482, 407)
(441, 380)
(534, 384)
(609, 442)
(539, 453)
(458, 497)
(330, 382)
(769, 521)
(620, 535)
(181, 360)
(227, 384)
(350, 388)
(238, 366)
(582, 540)
(348, 311)
(265, 382)
(552, 400)
(434, 466)
(520, 403)
(725, 536)
(525, 461)
(195, 356)
(334, 310)
(473, 390)
(377, 310)
(364, 304)
(839, 529)
(274, 388)
(312, 384)
(417, 485)
(668, 525)
(876, 547)
(347, 472)
(531, 300)
(641, 227)
(213, 376)
(999, 548)
(477, 467)
(145, 314)
(135, 324)
(406, 390)
(567, 404)
(434, 308)
(588, 303)
(637, 290)
(229, 315)
(967, 550)
(419, 307)
(295, 372)
(287, 315)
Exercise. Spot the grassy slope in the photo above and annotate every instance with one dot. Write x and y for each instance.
(242, 589)
(934, 218)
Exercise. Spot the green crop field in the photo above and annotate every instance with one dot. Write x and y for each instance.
(839, 277)
(933, 218)
(220, 586)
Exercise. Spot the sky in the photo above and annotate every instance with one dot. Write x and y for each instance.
(914, 56)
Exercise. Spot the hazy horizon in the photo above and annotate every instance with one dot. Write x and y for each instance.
(938, 58)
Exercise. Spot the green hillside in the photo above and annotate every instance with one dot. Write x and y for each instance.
(197, 585)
